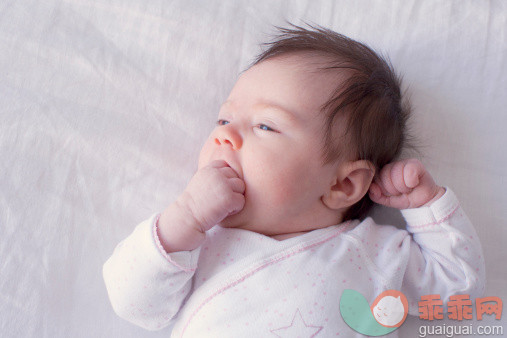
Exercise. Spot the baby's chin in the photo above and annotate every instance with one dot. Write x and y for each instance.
(233, 222)
(238, 221)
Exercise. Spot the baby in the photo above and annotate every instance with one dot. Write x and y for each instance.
(267, 235)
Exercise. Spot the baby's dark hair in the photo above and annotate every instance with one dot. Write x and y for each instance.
(370, 98)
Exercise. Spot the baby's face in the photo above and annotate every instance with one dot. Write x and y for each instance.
(270, 131)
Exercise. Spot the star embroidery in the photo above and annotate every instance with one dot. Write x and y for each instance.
(297, 328)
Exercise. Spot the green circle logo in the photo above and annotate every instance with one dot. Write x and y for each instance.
(386, 314)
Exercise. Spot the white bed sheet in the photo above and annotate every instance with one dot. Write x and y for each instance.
(104, 106)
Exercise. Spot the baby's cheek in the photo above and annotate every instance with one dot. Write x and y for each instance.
(285, 191)
(279, 194)
(278, 185)
(266, 187)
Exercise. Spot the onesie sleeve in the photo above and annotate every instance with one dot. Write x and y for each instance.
(448, 258)
(146, 285)
(438, 254)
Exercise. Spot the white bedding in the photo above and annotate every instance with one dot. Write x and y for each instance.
(104, 106)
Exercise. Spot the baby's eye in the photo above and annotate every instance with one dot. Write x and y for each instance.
(222, 122)
(265, 127)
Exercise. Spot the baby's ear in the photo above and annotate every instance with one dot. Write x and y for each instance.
(352, 181)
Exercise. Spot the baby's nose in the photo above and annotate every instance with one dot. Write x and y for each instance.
(229, 137)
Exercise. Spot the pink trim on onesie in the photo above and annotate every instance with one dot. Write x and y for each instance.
(436, 222)
(162, 250)
(259, 268)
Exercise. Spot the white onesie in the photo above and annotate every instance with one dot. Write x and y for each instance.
(243, 284)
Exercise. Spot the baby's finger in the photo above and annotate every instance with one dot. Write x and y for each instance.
(380, 188)
(237, 204)
(398, 202)
(385, 181)
(412, 173)
(218, 164)
(375, 193)
(228, 172)
(377, 196)
(237, 184)
(397, 177)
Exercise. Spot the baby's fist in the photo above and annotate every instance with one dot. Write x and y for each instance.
(404, 184)
(215, 192)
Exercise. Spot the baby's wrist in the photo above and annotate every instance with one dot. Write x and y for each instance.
(439, 193)
(178, 231)
(184, 206)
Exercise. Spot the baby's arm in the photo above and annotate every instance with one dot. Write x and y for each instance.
(147, 286)
(443, 255)
(149, 275)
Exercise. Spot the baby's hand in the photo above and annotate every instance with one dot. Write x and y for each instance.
(215, 192)
(404, 184)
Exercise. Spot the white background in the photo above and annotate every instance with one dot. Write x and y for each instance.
(104, 106)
